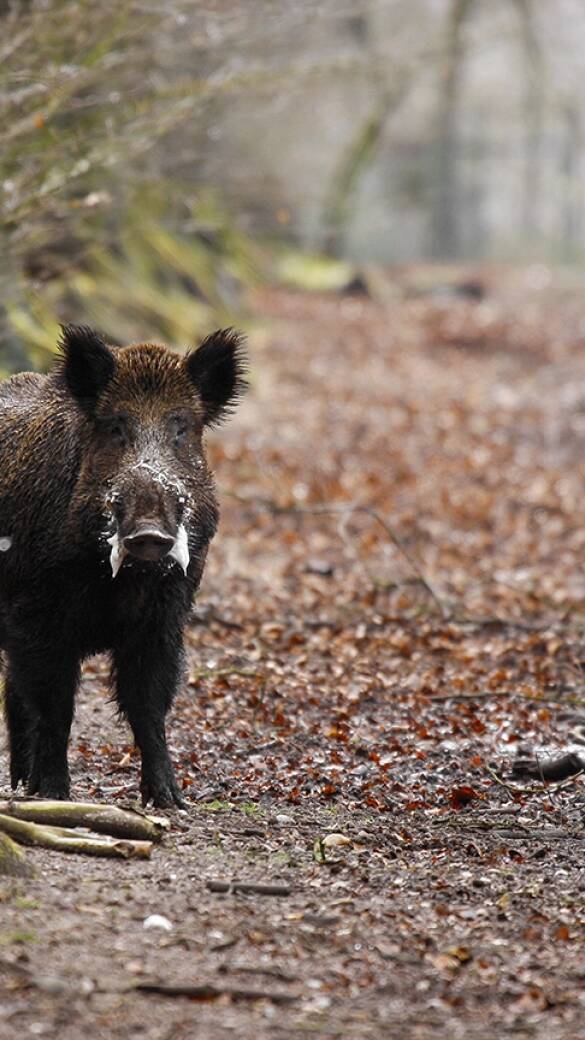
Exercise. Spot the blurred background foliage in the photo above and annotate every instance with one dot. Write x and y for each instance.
(94, 227)
(158, 161)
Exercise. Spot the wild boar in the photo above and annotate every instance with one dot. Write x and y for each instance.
(107, 507)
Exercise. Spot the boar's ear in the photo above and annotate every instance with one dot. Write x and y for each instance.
(89, 364)
(217, 368)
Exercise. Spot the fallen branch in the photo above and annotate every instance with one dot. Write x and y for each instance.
(252, 969)
(64, 839)
(514, 788)
(554, 770)
(248, 886)
(212, 992)
(478, 695)
(494, 810)
(517, 833)
(105, 819)
(220, 673)
(558, 772)
(535, 698)
(347, 509)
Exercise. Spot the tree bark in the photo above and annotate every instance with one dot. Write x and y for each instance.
(13, 862)
(445, 232)
(533, 118)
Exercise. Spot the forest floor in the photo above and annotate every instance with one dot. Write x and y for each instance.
(367, 674)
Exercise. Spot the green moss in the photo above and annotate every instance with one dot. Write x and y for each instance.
(25, 903)
(19, 936)
(250, 809)
(216, 806)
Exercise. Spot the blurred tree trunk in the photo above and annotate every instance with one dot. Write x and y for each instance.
(444, 232)
(534, 118)
(356, 161)
(571, 216)
(388, 86)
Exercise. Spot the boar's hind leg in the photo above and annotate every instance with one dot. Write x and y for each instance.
(147, 672)
(44, 691)
(21, 724)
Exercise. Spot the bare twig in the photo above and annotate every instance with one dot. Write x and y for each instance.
(494, 810)
(554, 771)
(514, 788)
(518, 832)
(478, 695)
(538, 698)
(552, 778)
(348, 509)
(248, 886)
(212, 992)
(220, 673)
(488, 621)
(252, 969)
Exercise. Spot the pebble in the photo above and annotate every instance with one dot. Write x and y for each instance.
(158, 921)
(335, 839)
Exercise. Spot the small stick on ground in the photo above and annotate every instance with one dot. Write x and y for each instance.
(252, 969)
(212, 992)
(514, 788)
(536, 698)
(248, 886)
(478, 695)
(517, 833)
(553, 771)
(220, 673)
(348, 509)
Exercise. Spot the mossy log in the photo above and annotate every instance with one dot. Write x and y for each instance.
(104, 819)
(64, 839)
(13, 862)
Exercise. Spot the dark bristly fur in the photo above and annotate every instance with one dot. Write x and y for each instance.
(218, 365)
(107, 445)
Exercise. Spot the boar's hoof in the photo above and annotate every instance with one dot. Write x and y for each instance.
(19, 771)
(53, 787)
(163, 793)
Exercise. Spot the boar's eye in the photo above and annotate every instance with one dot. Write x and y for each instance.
(116, 430)
(179, 429)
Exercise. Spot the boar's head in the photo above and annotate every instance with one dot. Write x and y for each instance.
(144, 486)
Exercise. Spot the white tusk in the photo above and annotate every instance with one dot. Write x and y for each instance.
(117, 555)
(180, 550)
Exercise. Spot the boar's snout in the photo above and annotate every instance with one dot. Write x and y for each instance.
(148, 523)
(149, 543)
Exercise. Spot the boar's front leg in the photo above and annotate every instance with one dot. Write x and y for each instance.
(39, 712)
(148, 669)
(21, 725)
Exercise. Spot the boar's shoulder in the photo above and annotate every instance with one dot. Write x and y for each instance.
(40, 452)
(21, 393)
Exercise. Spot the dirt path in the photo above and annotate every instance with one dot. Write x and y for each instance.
(350, 678)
